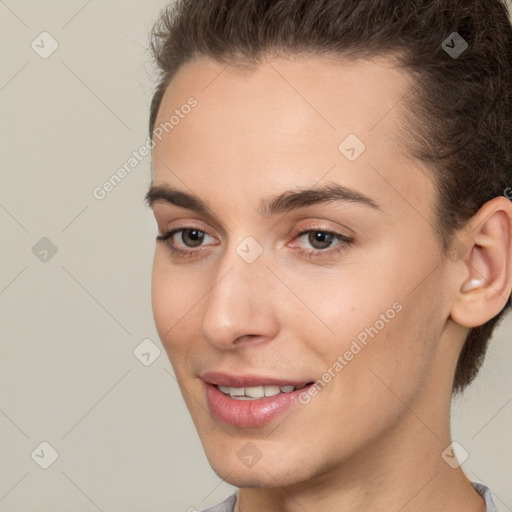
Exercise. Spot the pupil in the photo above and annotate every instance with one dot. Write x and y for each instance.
(195, 237)
(324, 239)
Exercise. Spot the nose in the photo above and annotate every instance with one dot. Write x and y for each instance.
(241, 306)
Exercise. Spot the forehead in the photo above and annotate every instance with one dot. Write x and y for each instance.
(288, 120)
(303, 95)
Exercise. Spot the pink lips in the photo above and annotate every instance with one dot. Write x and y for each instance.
(247, 413)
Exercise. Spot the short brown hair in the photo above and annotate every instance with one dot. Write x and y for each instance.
(460, 115)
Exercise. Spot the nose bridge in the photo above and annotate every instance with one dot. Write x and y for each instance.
(240, 299)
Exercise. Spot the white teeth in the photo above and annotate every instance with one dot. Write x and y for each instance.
(272, 390)
(255, 392)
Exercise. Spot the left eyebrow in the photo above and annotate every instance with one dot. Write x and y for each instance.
(302, 197)
(284, 202)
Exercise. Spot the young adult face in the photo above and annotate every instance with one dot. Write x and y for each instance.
(228, 315)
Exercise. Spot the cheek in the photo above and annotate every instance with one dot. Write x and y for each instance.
(396, 357)
(377, 335)
(172, 297)
(341, 309)
(161, 298)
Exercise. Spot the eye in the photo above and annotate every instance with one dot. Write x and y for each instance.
(191, 238)
(320, 239)
(323, 243)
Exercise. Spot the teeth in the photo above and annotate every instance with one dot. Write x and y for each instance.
(255, 392)
(272, 390)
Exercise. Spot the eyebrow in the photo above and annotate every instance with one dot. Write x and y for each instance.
(284, 202)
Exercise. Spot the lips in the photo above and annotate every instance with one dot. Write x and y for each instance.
(224, 379)
(250, 401)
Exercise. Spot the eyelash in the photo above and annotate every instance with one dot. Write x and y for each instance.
(311, 253)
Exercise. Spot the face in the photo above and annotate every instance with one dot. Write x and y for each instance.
(260, 287)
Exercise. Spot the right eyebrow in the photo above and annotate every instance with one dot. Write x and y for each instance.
(171, 195)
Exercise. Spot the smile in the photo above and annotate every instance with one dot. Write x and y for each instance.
(257, 392)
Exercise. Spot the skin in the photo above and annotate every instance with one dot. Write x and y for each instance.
(372, 438)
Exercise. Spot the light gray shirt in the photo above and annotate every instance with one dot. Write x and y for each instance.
(228, 505)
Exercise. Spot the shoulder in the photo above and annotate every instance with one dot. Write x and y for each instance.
(228, 505)
(486, 494)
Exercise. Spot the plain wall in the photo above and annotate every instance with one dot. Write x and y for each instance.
(71, 320)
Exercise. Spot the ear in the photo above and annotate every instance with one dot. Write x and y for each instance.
(484, 276)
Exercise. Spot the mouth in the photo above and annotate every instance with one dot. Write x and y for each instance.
(226, 380)
(258, 392)
(250, 401)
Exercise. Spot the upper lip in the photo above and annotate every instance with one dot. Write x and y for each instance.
(243, 381)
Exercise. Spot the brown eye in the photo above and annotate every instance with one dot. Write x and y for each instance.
(323, 243)
(192, 237)
(320, 239)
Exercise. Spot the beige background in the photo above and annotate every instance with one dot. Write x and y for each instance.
(70, 324)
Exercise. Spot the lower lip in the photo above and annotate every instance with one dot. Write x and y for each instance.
(249, 413)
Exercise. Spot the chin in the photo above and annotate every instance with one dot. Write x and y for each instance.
(250, 478)
(262, 474)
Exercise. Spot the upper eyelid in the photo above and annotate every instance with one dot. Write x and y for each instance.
(297, 232)
(320, 226)
(161, 209)
(223, 228)
(185, 225)
(175, 231)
